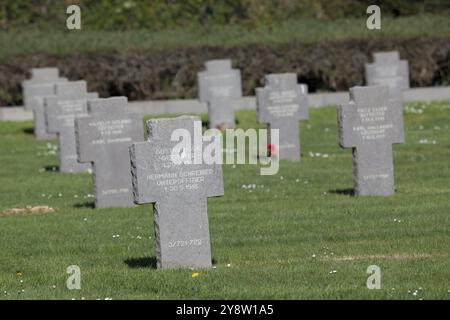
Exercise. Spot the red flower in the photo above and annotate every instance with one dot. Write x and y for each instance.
(271, 150)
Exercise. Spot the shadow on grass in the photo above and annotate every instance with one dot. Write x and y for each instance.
(28, 131)
(51, 168)
(85, 205)
(141, 263)
(147, 262)
(343, 192)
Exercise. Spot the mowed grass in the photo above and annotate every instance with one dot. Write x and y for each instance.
(61, 42)
(296, 235)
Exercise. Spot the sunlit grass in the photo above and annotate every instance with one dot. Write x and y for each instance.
(296, 235)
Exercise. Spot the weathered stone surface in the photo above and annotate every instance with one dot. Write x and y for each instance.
(179, 193)
(103, 139)
(389, 70)
(61, 110)
(370, 124)
(220, 87)
(34, 90)
(282, 104)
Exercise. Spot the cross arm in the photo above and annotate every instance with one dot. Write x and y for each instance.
(83, 141)
(139, 167)
(51, 112)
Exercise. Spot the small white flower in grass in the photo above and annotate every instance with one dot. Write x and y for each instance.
(228, 265)
(281, 178)
(333, 271)
(85, 219)
(59, 194)
(139, 237)
(314, 256)
(53, 287)
(297, 180)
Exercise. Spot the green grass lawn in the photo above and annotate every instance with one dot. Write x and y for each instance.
(61, 41)
(296, 235)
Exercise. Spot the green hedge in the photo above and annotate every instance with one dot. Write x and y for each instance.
(172, 73)
(160, 14)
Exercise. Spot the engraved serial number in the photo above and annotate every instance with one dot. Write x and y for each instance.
(185, 243)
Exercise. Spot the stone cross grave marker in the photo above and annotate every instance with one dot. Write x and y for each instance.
(220, 87)
(179, 193)
(34, 90)
(61, 110)
(103, 139)
(282, 104)
(389, 70)
(36, 104)
(370, 123)
(39, 76)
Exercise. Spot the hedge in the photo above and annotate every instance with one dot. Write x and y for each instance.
(171, 73)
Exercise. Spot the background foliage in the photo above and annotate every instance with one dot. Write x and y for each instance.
(160, 14)
(167, 73)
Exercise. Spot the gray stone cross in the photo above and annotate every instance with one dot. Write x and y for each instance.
(370, 124)
(61, 110)
(389, 70)
(103, 139)
(220, 87)
(282, 104)
(34, 90)
(39, 76)
(179, 193)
